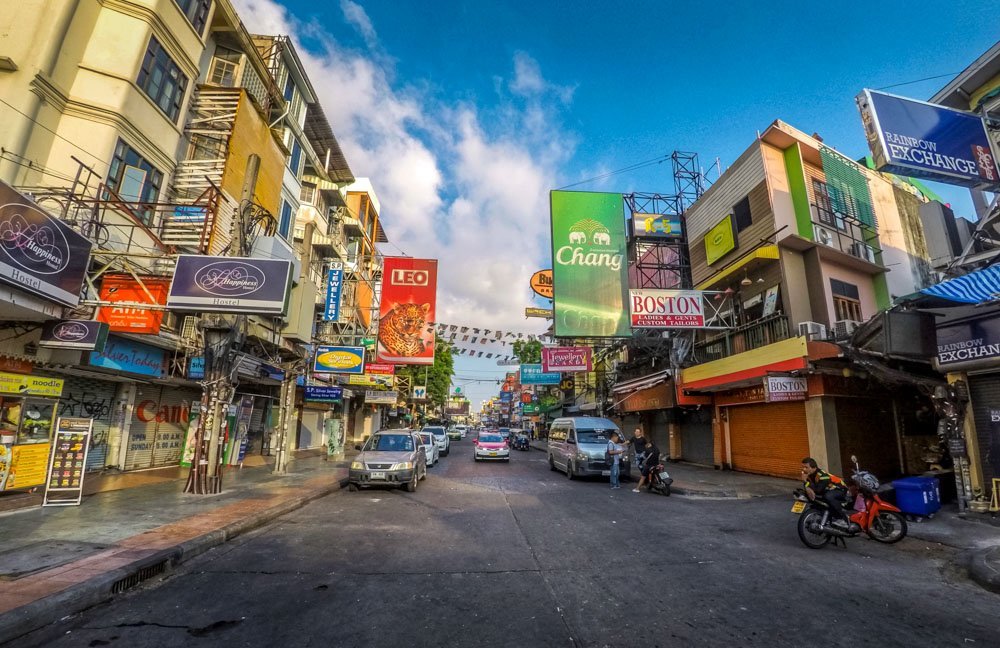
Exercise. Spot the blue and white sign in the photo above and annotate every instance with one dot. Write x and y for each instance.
(334, 282)
(505, 397)
(196, 368)
(921, 140)
(317, 394)
(133, 357)
(532, 374)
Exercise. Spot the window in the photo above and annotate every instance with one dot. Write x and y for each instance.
(285, 222)
(125, 158)
(824, 208)
(207, 147)
(846, 301)
(295, 159)
(162, 80)
(196, 12)
(225, 65)
(308, 194)
(289, 87)
(742, 218)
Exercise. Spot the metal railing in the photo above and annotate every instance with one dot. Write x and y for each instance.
(844, 233)
(754, 335)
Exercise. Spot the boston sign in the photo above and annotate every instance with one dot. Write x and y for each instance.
(666, 308)
(785, 388)
(230, 285)
(39, 252)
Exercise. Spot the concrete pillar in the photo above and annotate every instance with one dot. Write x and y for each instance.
(824, 438)
(720, 437)
(674, 431)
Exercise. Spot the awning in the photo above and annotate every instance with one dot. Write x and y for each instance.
(768, 252)
(644, 382)
(974, 288)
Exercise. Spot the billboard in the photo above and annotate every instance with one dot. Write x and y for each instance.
(541, 283)
(532, 374)
(657, 226)
(39, 253)
(339, 359)
(334, 284)
(922, 140)
(567, 359)
(230, 285)
(651, 308)
(720, 240)
(86, 335)
(589, 265)
(125, 288)
(373, 397)
(409, 294)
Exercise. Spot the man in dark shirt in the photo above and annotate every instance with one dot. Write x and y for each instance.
(830, 488)
(638, 443)
(652, 459)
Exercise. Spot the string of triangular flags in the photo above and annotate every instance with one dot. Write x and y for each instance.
(469, 340)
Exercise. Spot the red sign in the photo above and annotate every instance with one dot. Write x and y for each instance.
(567, 359)
(380, 369)
(526, 397)
(124, 288)
(409, 296)
(666, 308)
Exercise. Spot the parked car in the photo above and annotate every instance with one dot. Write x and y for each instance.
(430, 448)
(454, 433)
(440, 437)
(389, 458)
(488, 446)
(577, 446)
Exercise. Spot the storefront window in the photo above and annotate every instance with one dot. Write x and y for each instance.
(37, 417)
(10, 416)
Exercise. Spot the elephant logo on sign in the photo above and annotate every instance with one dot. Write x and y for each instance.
(577, 238)
(602, 238)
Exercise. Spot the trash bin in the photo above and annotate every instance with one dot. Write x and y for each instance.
(918, 495)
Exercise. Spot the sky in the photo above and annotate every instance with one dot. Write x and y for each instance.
(466, 113)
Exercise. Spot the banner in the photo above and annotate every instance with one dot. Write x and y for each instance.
(230, 285)
(86, 335)
(922, 140)
(339, 359)
(334, 283)
(409, 294)
(373, 397)
(124, 288)
(380, 369)
(652, 308)
(532, 374)
(589, 264)
(567, 359)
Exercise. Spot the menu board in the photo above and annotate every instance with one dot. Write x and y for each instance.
(27, 465)
(64, 485)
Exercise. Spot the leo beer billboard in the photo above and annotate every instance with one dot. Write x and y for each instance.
(589, 264)
(409, 295)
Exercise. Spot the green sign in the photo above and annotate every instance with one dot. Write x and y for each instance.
(368, 342)
(530, 408)
(589, 265)
(719, 240)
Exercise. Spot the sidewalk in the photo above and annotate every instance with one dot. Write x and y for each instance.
(60, 560)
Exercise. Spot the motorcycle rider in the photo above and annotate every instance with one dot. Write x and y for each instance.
(652, 459)
(830, 488)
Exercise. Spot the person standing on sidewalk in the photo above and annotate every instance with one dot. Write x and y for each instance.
(616, 450)
(638, 443)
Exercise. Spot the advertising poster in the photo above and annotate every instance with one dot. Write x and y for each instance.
(66, 466)
(27, 465)
(230, 285)
(541, 283)
(125, 289)
(657, 226)
(652, 308)
(589, 264)
(334, 285)
(339, 359)
(567, 359)
(409, 297)
(720, 240)
(194, 420)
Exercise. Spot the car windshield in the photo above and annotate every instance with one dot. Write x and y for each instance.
(390, 443)
(594, 436)
(427, 438)
(434, 430)
(490, 438)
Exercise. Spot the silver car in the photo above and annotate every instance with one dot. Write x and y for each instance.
(389, 458)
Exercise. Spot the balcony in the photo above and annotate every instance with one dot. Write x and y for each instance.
(756, 334)
(846, 234)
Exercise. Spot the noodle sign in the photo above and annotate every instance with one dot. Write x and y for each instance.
(666, 308)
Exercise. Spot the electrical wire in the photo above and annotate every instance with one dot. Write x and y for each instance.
(73, 144)
(632, 167)
(930, 78)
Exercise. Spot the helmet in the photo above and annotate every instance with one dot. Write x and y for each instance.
(866, 481)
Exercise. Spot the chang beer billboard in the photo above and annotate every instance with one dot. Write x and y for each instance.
(589, 264)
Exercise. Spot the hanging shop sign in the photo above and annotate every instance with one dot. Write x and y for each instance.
(720, 240)
(318, 394)
(968, 342)
(126, 289)
(196, 368)
(86, 335)
(545, 313)
(922, 140)
(506, 397)
(367, 380)
(334, 284)
(530, 408)
(339, 359)
(39, 252)
(419, 392)
(780, 389)
(456, 408)
(67, 462)
(532, 374)
(541, 283)
(30, 385)
(380, 369)
(376, 397)
(230, 285)
(567, 359)
(589, 264)
(120, 354)
(650, 308)
(656, 226)
(409, 295)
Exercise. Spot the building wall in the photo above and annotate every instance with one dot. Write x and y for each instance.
(252, 136)
(866, 289)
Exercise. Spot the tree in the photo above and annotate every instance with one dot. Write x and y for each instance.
(528, 351)
(438, 375)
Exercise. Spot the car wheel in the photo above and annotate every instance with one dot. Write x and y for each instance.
(446, 452)
(411, 486)
(570, 471)
(352, 487)
(424, 475)
(552, 463)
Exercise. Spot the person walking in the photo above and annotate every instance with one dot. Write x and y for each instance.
(615, 451)
(638, 443)
(652, 459)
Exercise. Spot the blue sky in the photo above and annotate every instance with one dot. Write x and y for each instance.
(465, 114)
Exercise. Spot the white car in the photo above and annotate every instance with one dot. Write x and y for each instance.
(440, 438)
(430, 448)
(462, 430)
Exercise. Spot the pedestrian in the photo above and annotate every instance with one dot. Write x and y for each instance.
(615, 451)
(638, 443)
(651, 460)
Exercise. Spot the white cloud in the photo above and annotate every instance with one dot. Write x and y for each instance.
(463, 183)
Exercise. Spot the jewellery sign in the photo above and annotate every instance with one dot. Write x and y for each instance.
(666, 308)
(64, 482)
(339, 359)
(589, 268)
(334, 283)
(86, 335)
(922, 140)
(230, 285)
(785, 388)
(567, 359)
(39, 252)
(409, 294)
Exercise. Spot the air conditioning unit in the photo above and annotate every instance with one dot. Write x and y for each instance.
(812, 330)
(863, 251)
(824, 236)
(843, 329)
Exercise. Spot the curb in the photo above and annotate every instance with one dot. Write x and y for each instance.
(984, 568)
(77, 598)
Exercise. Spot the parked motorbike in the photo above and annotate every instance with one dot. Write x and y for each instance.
(659, 481)
(880, 520)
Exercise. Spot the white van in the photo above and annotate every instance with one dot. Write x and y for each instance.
(577, 445)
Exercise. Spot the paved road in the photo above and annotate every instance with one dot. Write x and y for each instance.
(516, 555)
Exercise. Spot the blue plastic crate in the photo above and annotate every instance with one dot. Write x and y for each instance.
(918, 495)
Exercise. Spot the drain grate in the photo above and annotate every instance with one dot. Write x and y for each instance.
(143, 574)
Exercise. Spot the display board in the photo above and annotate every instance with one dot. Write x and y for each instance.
(67, 462)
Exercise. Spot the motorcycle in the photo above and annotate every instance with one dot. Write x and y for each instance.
(659, 481)
(520, 442)
(880, 520)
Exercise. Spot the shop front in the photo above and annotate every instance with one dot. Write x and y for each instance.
(768, 438)
(28, 410)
